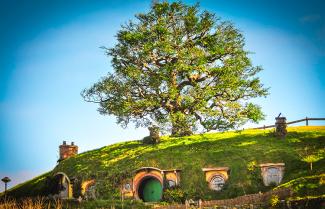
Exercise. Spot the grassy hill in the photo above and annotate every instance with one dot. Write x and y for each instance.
(236, 150)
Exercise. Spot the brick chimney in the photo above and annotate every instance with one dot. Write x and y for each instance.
(67, 150)
(280, 126)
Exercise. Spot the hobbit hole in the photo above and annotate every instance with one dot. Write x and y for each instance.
(148, 183)
(63, 187)
(150, 190)
(216, 177)
(272, 173)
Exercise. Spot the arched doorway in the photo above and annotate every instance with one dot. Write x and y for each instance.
(150, 189)
(62, 183)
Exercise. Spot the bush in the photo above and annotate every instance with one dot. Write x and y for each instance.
(274, 201)
(174, 195)
(148, 140)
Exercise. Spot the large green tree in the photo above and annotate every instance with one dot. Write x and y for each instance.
(182, 69)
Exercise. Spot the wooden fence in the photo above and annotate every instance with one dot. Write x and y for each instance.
(259, 200)
(292, 122)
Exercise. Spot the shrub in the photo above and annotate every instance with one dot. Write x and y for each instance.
(174, 195)
(274, 201)
(147, 140)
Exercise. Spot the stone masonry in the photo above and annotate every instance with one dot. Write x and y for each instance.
(67, 150)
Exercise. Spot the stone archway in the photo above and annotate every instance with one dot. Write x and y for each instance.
(64, 187)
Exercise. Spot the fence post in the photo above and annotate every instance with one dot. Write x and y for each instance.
(306, 121)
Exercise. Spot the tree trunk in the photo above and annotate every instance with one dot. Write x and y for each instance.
(180, 127)
(311, 166)
(177, 131)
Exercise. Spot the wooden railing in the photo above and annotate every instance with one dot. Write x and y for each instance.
(292, 122)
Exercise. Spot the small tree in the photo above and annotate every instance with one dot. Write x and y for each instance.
(6, 180)
(181, 69)
(311, 156)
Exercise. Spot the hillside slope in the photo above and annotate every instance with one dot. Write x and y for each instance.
(111, 164)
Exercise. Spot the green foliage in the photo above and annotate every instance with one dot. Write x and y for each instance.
(117, 204)
(254, 177)
(174, 195)
(307, 186)
(241, 151)
(251, 166)
(309, 155)
(148, 140)
(309, 202)
(180, 68)
(51, 185)
(34, 187)
(77, 187)
(274, 201)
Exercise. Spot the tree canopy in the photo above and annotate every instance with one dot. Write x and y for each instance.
(182, 69)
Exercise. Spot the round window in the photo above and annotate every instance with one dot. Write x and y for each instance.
(127, 186)
(216, 183)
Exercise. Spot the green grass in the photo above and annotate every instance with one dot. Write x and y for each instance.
(111, 164)
(33, 187)
(306, 186)
(127, 204)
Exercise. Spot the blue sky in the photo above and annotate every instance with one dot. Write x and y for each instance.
(50, 51)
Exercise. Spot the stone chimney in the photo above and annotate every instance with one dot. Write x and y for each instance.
(67, 151)
(280, 126)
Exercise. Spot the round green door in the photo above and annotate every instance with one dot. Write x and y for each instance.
(152, 190)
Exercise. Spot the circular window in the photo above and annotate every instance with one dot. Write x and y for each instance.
(216, 183)
(127, 186)
(171, 183)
